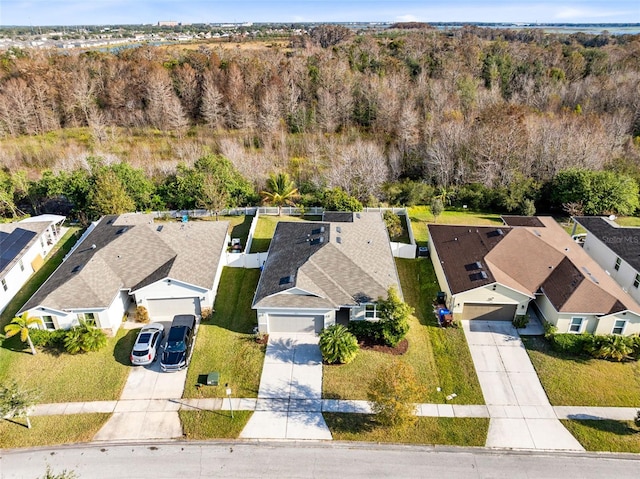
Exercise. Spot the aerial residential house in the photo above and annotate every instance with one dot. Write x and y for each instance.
(23, 247)
(320, 273)
(616, 249)
(130, 260)
(497, 273)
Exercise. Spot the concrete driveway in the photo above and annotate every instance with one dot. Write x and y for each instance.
(289, 398)
(142, 411)
(521, 415)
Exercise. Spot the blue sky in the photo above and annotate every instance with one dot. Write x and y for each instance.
(97, 12)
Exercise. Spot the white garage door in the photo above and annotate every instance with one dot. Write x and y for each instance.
(291, 323)
(171, 307)
(498, 312)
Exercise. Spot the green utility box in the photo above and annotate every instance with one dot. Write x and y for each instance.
(213, 379)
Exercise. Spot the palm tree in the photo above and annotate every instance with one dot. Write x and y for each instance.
(281, 190)
(338, 345)
(21, 324)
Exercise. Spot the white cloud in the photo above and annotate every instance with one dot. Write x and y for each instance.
(407, 18)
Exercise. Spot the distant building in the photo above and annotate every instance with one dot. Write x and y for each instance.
(168, 23)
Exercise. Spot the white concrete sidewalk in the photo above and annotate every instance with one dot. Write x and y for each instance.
(289, 401)
(520, 412)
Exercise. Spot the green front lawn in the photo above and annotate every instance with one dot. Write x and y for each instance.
(440, 357)
(427, 430)
(226, 344)
(50, 430)
(421, 215)
(264, 231)
(62, 377)
(607, 435)
(213, 424)
(577, 381)
(628, 221)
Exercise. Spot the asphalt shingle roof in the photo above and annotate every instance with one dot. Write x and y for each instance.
(130, 252)
(353, 264)
(15, 240)
(623, 241)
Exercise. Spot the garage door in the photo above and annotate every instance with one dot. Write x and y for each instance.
(498, 312)
(291, 323)
(171, 307)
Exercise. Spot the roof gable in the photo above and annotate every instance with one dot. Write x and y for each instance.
(623, 241)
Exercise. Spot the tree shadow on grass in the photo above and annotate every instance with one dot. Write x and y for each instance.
(346, 423)
(242, 230)
(619, 428)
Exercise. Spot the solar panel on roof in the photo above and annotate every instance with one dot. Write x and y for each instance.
(13, 244)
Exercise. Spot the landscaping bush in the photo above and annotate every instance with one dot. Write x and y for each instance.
(142, 314)
(367, 331)
(394, 317)
(611, 347)
(48, 339)
(84, 338)
(338, 345)
(393, 223)
(520, 321)
(570, 343)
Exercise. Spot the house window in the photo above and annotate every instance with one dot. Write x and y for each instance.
(41, 242)
(618, 326)
(48, 322)
(21, 265)
(576, 325)
(636, 282)
(370, 311)
(4, 284)
(618, 263)
(90, 318)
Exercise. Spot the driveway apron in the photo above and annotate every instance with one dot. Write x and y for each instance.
(290, 394)
(521, 415)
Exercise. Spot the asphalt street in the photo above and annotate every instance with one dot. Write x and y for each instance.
(309, 460)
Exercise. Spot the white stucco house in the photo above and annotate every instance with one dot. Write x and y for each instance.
(23, 246)
(127, 260)
(320, 273)
(496, 273)
(616, 249)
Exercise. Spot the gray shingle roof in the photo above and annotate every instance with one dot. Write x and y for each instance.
(353, 264)
(623, 241)
(129, 253)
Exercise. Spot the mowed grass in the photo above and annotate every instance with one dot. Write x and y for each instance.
(226, 343)
(605, 435)
(213, 424)
(62, 377)
(239, 224)
(421, 215)
(577, 381)
(264, 231)
(628, 221)
(51, 430)
(427, 430)
(440, 357)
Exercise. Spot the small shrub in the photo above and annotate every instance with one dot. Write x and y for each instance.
(570, 343)
(549, 329)
(84, 338)
(635, 345)
(206, 314)
(394, 317)
(636, 420)
(367, 331)
(520, 321)
(611, 347)
(338, 345)
(142, 314)
(48, 339)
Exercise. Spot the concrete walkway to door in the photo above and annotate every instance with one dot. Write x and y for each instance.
(521, 415)
(289, 400)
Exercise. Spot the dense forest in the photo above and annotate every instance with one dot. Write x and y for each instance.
(489, 118)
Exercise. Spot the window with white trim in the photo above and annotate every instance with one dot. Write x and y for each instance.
(4, 284)
(370, 311)
(48, 322)
(618, 326)
(21, 264)
(90, 318)
(618, 263)
(576, 325)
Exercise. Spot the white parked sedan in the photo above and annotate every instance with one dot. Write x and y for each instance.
(147, 343)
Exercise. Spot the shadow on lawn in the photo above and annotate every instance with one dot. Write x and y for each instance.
(346, 423)
(122, 350)
(620, 428)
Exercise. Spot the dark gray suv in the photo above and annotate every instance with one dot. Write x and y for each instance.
(177, 351)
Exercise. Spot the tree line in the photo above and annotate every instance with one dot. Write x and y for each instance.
(386, 116)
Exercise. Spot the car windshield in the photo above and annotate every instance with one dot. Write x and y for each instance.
(176, 347)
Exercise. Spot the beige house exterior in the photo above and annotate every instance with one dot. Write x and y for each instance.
(499, 272)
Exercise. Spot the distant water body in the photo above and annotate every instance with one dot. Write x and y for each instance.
(588, 28)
